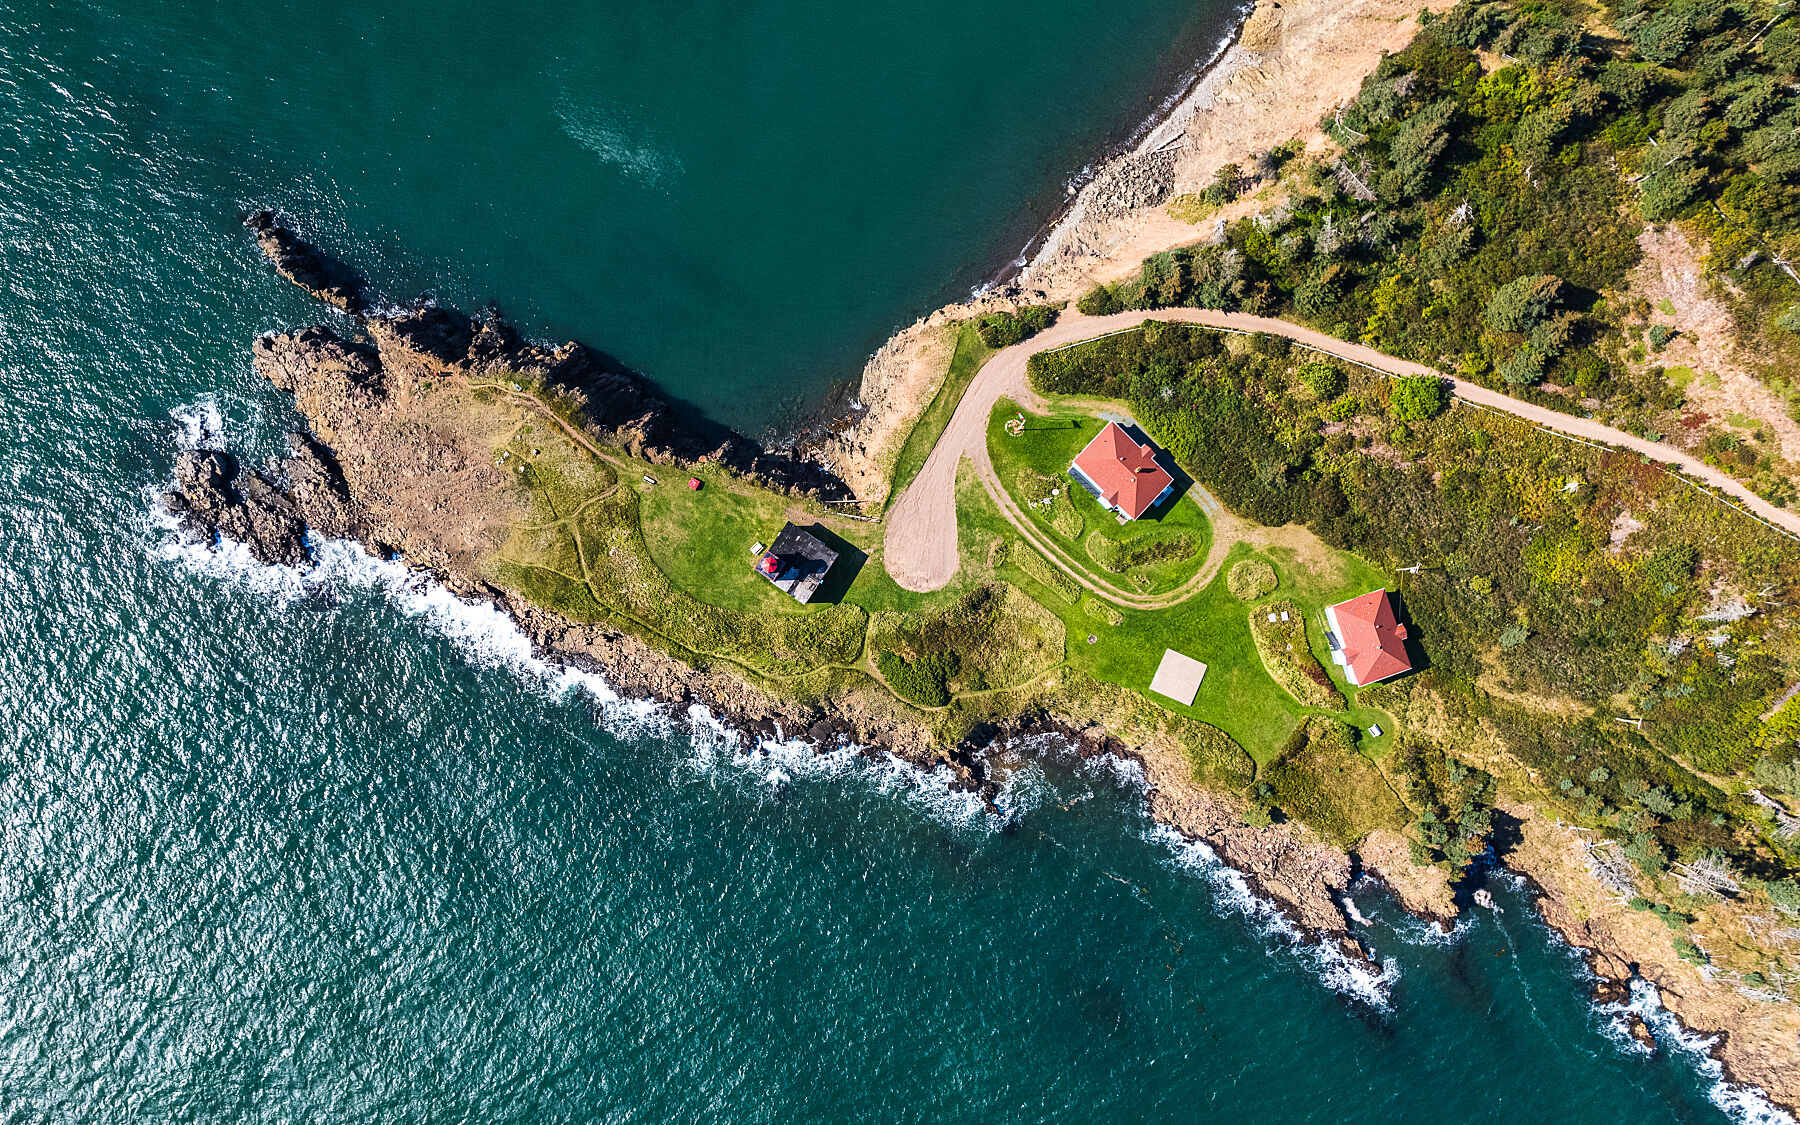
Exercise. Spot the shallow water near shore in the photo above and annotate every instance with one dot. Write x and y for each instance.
(333, 847)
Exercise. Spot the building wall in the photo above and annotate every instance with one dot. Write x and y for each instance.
(1340, 655)
(1087, 483)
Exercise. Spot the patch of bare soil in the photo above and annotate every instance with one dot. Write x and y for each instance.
(1673, 275)
(898, 383)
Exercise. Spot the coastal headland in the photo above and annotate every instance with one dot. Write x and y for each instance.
(1601, 638)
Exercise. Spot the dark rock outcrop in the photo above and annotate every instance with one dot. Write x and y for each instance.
(303, 264)
(430, 342)
(268, 509)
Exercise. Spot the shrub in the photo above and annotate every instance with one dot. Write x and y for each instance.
(1660, 335)
(1004, 329)
(1251, 579)
(1416, 398)
(923, 681)
(1323, 380)
(1688, 951)
(1099, 301)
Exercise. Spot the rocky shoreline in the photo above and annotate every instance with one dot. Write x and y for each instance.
(374, 472)
(402, 496)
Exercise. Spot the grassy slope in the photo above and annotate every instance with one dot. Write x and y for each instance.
(673, 565)
(965, 361)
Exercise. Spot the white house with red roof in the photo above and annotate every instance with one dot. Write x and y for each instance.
(1367, 639)
(1122, 474)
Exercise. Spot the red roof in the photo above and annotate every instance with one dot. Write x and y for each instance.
(1125, 472)
(1374, 641)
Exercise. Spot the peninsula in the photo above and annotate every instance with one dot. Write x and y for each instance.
(1393, 342)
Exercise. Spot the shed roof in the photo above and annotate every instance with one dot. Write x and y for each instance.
(1374, 640)
(1125, 472)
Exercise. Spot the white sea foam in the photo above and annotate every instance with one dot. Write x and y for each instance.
(199, 424)
(1746, 1105)
(1024, 791)
(1126, 773)
(1338, 971)
(482, 633)
(782, 763)
(618, 141)
(1417, 931)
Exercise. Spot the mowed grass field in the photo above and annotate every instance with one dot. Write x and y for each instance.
(1150, 555)
(602, 542)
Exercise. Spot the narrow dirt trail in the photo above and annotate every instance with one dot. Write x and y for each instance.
(920, 545)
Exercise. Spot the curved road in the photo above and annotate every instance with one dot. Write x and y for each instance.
(920, 546)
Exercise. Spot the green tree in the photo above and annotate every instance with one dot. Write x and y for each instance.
(1417, 146)
(1416, 398)
(1669, 189)
(1226, 186)
(1520, 304)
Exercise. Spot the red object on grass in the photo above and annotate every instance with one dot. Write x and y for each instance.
(694, 483)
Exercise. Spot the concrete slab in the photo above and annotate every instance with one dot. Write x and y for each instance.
(1178, 677)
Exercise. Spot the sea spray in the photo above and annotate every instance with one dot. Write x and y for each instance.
(1743, 1104)
(1348, 976)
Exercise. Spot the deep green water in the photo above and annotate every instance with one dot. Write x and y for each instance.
(332, 849)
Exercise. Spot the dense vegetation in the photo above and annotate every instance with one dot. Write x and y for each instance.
(1007, 327)
(1549, 571)
(1481, 209)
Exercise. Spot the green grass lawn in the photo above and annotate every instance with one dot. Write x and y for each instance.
(965, 361)
(1312, 589)
(1237, 695)
(1036, 463)
(702, 540)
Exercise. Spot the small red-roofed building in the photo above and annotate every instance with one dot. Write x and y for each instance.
(1367, 639)
(1122, 474)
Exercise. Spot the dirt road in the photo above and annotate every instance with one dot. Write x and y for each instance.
(920, 547)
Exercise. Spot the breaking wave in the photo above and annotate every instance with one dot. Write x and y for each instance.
(1744, 1104)
(1343, 974)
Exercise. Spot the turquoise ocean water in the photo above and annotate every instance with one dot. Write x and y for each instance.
(333, 848)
